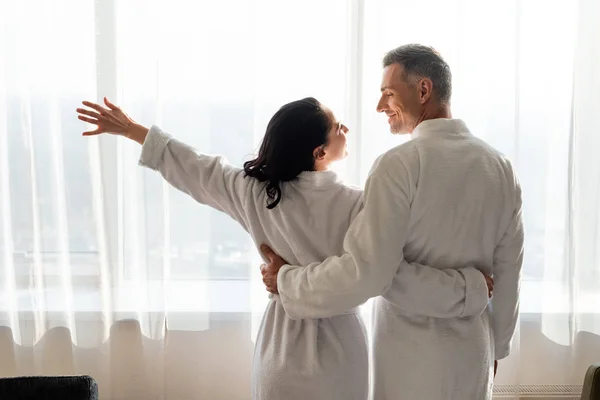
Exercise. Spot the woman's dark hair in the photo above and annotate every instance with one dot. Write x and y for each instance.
(293, 133)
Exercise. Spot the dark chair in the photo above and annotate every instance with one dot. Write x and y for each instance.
(591, 384)
(49, 388)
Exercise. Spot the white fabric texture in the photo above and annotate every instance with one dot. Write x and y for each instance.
(445, 198)
(106, 270)
(314, 358)
(305, 359)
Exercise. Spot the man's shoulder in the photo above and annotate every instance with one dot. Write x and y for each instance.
(400, 154)
(491, 151)
(395, 161)
(409, 155)
(467, 142)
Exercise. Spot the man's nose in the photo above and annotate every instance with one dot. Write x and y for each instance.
(381, 105)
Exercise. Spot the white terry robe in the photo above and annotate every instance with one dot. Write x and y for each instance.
(324, 358)
(445, 198)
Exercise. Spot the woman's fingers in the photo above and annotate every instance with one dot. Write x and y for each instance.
(113, 116)
(108, 120)
(490, 284)
(109, 104)
(87, 119)
(89, 113)
(97, 107)
(92, 133)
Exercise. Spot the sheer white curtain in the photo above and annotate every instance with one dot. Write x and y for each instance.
(106, 270)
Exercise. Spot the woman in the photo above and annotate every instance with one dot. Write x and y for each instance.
(286, 197)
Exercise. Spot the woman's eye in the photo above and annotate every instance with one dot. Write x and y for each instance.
(390, 95)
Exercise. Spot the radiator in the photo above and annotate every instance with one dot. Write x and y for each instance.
(537, 392)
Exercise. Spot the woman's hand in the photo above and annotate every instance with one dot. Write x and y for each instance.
(111, 120)
(270, 271)
(489, 281)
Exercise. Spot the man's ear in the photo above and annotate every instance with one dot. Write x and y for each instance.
(425, 87)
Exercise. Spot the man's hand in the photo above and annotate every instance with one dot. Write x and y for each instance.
(269, 271)
(490, 284)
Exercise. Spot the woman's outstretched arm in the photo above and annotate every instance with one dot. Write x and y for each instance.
(207, 179)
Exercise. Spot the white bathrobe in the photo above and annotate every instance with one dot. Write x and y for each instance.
(445, 199)
(302, 359)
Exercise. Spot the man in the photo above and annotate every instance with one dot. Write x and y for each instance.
(443, 199)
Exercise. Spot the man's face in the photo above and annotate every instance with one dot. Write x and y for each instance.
(400, 100)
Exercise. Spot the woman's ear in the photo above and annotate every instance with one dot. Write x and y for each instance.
(319, 153)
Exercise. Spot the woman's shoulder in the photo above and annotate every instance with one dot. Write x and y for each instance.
(353, 192)
(352, 188)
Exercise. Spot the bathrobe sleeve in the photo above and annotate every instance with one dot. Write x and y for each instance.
(374, 259)
(207, 179)
(508, 260)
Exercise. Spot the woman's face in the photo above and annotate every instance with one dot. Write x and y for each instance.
(336, 148)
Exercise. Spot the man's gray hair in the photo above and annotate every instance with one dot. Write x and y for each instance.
(421, 61)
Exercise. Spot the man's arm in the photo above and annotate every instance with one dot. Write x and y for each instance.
(447, 293)
(508, 260)
(374, 255)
